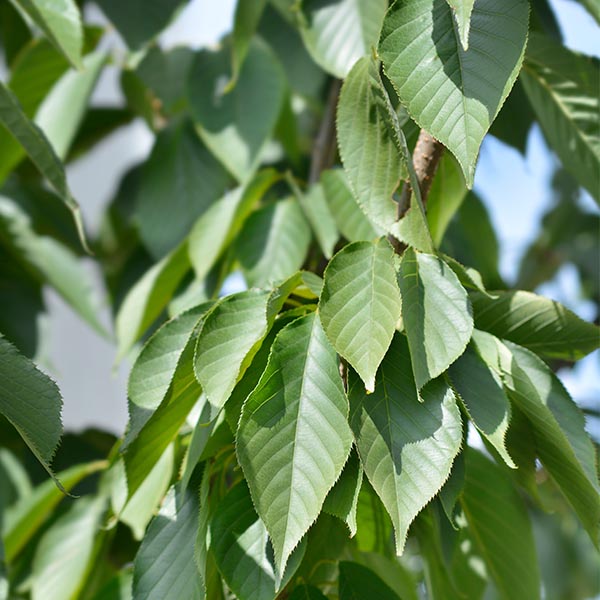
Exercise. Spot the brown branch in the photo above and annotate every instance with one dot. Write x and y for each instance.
(426, 157)
(323, 153)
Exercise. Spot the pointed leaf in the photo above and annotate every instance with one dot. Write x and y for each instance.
(236, 125)
(452, 93)
(563, 445)
(182, 170)
(504, 534)
(436, 313)
(349, 218)
(164, 567)
(61, 23)
(337, 33)
(375, 156)
(273, 243)
(23, 519)
(148, 297)
(562, 87)
(242, 549)
(481, 392)
(462, 10)
(154, 368)
(538, 323)
(407, 447)
(357, 583)
(65, 552)
(360, 305)
(342, 500)
(220, 224)
(39, 149)
(31, 401)
(293, 438)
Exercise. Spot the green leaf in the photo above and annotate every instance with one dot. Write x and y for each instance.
(40, 151)
(31, 401)
(61, 23)
(273, 243)
(462, 10)
(483, 396)
(306, 592)
(242, 549)
(152, 373)
(452, 93)
(164, 567)
(215, 230)
(245, 22)
(562, 87)
(24, 519)
(293, 438)
(375, 155)
(337, 33)
(117, 588)
(544, 326)
(436, 313)
(148, 297)
(342, 500)
(563, 445)
(62, 111)
(503, 534)
(236, 125)
(349, 218)
(357, 583)
(407, 447)
(49, 261)
(141, 507)
(181, 169)
(593, 8)
(447, 192)
(139, 20)
(360, 305)
(64, 554)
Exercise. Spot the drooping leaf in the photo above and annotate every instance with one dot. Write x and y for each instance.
(149, 296)
(39, 149)
(504, 534)
(463, 90)
(293, 438)
(273, 243)
(349, 218)
(462, 10)
(31, 401)
(563, 446)
(436, 314)
(337, 33)
(179, 182)
(139, 20)
(375, 154)
(245, 22)
(538, 323)
(242, 549)
(24, 519)
(164, 566)
(342, 500)
(61, 23)
(65, 552)
(49, 261)
(219, 225)
(357, 582)
(407, 447)
(154, 368)
(562, 87)
(360, 305)
(236, 125)
(62, 111)
(481, 392)
(447, 192)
